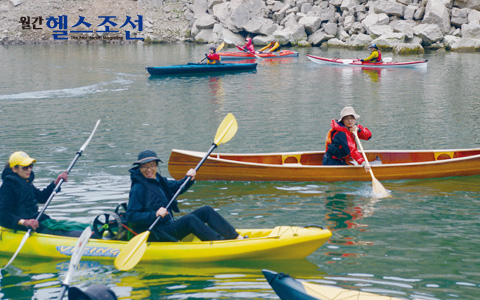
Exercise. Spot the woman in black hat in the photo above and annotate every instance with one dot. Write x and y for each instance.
(150, 193)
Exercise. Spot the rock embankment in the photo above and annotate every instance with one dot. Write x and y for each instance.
(404, 26)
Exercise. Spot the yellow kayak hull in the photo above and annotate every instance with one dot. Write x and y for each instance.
(281, 242)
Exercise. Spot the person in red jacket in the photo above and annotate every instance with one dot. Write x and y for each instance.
(341, 146)
(375, 55)
(212, 56)
(248, 47)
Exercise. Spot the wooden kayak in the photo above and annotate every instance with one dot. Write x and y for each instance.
(357, 63)
(193, 68)
(288, 288)
(246, 55)
(307, 166)
(281, 242)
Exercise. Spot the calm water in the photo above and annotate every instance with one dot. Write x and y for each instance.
(422, 243)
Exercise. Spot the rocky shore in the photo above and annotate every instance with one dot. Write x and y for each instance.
(403, 26)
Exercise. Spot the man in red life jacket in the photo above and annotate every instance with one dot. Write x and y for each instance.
(248, 47)
(375, 55)
(340, 144)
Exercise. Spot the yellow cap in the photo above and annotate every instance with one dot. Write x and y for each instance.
(20, 158)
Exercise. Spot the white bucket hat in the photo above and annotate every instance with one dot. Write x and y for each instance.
(348, 111)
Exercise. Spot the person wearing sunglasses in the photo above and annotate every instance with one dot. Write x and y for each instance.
(150, 194)
(19, 198)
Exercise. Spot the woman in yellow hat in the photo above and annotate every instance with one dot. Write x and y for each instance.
(19, 198)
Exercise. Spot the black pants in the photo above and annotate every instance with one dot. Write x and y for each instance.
(216, 227)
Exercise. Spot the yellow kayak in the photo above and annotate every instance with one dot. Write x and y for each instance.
(288, 288)
(281, 242)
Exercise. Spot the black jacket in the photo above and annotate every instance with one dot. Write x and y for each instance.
(148, 195)
(19, 199)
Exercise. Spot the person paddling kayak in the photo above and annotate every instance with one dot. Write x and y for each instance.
(150, 194)
(375, 55)
(248, 47)
(19, 199)
(340, 143)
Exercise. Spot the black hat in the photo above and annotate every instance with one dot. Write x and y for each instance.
(94, 292)
(147, 156)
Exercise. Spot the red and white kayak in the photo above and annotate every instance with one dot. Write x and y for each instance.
(246, 55)
(387, 63)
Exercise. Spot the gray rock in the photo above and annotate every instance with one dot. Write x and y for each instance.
(331, 28)
(336, 43)
(319, 37)
(437, 13)
(204, 21)
(473, 16)
(390, 8)
(403, 48)
(311, 24)
(260, 26)
(459, 16)
(473, 4)
(16, 2)
(471, 30)
(429, 33)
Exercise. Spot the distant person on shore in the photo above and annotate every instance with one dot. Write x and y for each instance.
(375, 55)
(248, 47)
(19, 200)
(341, 146)
(273, 46)
(150, 195)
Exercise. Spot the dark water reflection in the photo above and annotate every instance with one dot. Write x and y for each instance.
(421, 243)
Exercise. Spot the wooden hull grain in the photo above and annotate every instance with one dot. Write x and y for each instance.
(307, 166)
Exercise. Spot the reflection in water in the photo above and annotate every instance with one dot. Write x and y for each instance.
(216, 90)
(373, 73)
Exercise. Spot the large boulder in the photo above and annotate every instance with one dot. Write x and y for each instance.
(473, 16)
(389, 7)
(405, 49)
(318, 37)
(459, 16)
(292, 35)
(375, 19)
(436, 12)
(359, 41)
(311, 24)
(473, 4)
(429, 33)
(236, 14)
(471, 30)
(260, 26)
(204, 21)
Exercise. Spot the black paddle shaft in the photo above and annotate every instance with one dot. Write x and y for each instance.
(184, 184)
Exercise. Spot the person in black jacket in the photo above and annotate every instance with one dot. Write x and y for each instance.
(19, 198)
(150, 194)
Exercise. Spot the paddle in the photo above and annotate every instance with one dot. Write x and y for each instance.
(220, 47)
(349, 61)
(77, 253)
(54, 192)
(133, 252)
(378, 188)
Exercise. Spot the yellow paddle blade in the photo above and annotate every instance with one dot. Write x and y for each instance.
(220, 47)
(132, 253)
(226, 131)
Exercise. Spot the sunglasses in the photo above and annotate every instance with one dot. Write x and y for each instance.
(27, 167)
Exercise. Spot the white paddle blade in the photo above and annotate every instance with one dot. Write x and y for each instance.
(347, 61)
(387, 59)
(378, 189)
(77, 254)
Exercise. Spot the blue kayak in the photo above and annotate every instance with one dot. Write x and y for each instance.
(193, 68)
(288, 288)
